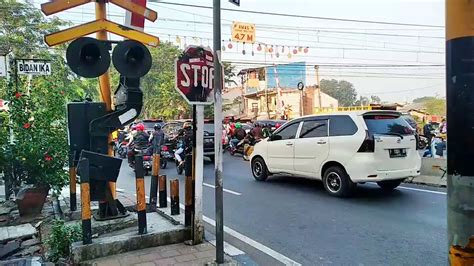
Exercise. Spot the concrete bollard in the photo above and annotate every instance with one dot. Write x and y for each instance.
(163, 192)
(174, 195)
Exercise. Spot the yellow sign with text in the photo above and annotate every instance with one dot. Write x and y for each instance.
(243, 32)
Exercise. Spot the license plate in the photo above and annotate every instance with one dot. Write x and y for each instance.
(397, 153)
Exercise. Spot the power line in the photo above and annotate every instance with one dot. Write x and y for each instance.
(306, 16)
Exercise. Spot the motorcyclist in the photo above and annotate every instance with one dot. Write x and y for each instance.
(185, 138)
(239, 134)
(257, 131)
(138, 142)
(157, 138)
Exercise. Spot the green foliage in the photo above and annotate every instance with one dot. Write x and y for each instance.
(433, 105)
(341, 90)
(229, 74)
(61, 238)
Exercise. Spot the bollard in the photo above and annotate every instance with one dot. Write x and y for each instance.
(163, 193)
(154, 182)
(141, 202)
(188, 201)
(174, 194)
(85, 202)
(72, 188)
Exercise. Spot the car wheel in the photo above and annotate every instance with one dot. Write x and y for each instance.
(389, 184)
(259, 169)
(337, 182)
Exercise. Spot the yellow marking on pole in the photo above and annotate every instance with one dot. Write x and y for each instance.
(141, 204)
(72, 179)
(462, 256)
(85, 201)
(459, 19)
(156, 165)
(137, 9)
(100, 25)
(53, 7)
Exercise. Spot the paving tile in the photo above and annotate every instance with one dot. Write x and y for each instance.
(184, 258)
(129, 260)
(205, 247)
(107, 262)
(169, 253)
(187, 250)
(165, 262)
(150, 256)
(145, 264)
(205, 254)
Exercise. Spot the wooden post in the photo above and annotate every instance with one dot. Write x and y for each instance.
(72, 188)
(163, 193)
(154, 182)
(174, 194)
(85, 202)
(140, 185)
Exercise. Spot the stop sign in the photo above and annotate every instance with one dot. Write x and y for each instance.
(195, 75)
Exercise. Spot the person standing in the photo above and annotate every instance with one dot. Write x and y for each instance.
(157, 138)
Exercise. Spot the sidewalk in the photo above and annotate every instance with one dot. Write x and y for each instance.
(177, 254)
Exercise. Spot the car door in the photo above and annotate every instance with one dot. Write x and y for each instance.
(311, 147)
(281, 148)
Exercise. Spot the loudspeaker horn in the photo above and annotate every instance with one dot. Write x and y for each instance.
(88, 57)
(131, 59)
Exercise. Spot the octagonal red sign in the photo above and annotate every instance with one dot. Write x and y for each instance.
(194, 75)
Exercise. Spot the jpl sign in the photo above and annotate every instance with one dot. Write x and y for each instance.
(195, 75)
(33, 68)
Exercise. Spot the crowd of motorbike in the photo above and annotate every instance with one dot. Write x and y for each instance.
(237, 139)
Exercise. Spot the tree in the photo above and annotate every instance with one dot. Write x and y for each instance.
(229, 74)
(375, 99)
(433, 105)
(342, 90)
(363, 101)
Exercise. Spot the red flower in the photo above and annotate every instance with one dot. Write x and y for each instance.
(17, 95)
(26, 125)
(47, 157)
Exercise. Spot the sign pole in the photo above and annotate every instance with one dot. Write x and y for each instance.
(218, 133)
(198, 229)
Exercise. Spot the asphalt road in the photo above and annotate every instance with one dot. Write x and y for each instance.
(296, 218)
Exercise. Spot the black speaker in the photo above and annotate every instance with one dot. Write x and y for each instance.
(88, 57)
(131, 59)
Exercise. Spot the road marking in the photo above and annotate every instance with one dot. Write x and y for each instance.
(225, 190)
(272, 253)
(417, 189)
(229, 249)
(424, 190)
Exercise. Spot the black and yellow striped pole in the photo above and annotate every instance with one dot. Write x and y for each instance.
(460, 117)
(85, 201)
(72, 188)
(154, 182)
(174, 195)
(163, 200)
(141, 201)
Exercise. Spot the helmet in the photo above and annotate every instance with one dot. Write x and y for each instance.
(187, 125)
(133, 127)
(140, 127)
(157, 126)
(277, 126)
(238, 125)
(232, 125)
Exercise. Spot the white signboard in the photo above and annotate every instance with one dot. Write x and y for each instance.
(34, 68)
(3, 66)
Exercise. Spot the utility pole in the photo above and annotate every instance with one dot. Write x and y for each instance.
(459, 95)
(218, 133)
(319, 87)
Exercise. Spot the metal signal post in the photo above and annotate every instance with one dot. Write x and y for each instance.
(460, 107)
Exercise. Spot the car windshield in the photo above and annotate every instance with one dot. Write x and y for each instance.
(387, 124)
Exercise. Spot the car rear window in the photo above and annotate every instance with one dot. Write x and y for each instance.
(209, 128)
(387, 124)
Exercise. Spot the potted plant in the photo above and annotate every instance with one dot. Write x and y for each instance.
(37, 157)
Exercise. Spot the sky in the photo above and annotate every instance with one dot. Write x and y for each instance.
(396, 62)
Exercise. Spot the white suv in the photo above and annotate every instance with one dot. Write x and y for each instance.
(341, 149)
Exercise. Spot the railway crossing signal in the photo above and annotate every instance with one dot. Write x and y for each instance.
(90, 124)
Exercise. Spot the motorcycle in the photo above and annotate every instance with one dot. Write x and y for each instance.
(148, 158)
(422, 142)
(121, 149)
